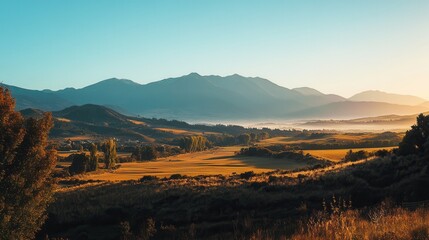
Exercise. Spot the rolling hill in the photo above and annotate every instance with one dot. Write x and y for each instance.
(379, 96)
(91, 121)
(91, 113)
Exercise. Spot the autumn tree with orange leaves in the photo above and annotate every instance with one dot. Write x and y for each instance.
(25, 171)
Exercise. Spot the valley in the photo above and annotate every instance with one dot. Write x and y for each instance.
(214, 120)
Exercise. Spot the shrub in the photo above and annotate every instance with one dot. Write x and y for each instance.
(149, 178)
(247, 175)
(355, 156)
(177, 176)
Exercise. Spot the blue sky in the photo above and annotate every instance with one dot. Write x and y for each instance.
(338, 47)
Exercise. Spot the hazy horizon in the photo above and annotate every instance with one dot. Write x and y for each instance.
(333, 46)
(89, 84)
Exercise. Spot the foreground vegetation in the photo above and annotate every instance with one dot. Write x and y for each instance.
(382, 222)
(26, 186)
(212, 207)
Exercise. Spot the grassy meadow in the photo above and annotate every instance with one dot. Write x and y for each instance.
(220, 160)
(337, 155)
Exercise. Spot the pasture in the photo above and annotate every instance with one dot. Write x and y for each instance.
(337, 155)
(216, 161)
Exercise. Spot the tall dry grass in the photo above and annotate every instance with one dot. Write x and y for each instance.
(382, 223)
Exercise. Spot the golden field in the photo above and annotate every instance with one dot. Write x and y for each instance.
(216, 161)
(337, 155)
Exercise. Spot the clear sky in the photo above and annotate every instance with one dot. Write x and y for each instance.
(338, 46)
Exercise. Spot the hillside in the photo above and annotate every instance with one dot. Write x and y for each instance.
(425, 104)
(379, 96)
(91, 113)
(48, 101)
(98, 122)
(32, 113)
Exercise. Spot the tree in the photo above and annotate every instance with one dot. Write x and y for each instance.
(80, 163)
(93, 157)
(110, 153)
(26, 186)
(145, 153)
(244, 139)
(415, 139)
(263, 135)
(253, 137)
(193, 143)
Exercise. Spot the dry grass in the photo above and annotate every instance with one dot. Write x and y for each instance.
(338, 154)
(338, 222)
(385, 224)
(212, 162)
(78, 138)
(329, 138)
(137, 122)
(184, 132)
(63, 119)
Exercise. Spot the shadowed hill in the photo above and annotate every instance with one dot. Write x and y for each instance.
(91, 113)
(32, 113)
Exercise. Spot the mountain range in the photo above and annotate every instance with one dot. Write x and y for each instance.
(197, 98)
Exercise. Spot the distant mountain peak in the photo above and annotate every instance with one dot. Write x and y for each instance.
(112, 83)
(193, 74)
(237, 75)
(308, 91)
(118, 80)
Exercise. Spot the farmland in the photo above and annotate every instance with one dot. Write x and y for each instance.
(337, 155)
(221, 160)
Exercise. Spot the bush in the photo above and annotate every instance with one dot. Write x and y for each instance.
(247, 175)
(355, 156)
(148, 178)
(177, 176)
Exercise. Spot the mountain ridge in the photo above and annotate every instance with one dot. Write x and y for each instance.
(212, 97)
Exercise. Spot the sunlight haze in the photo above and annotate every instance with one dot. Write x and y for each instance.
(340, 47)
